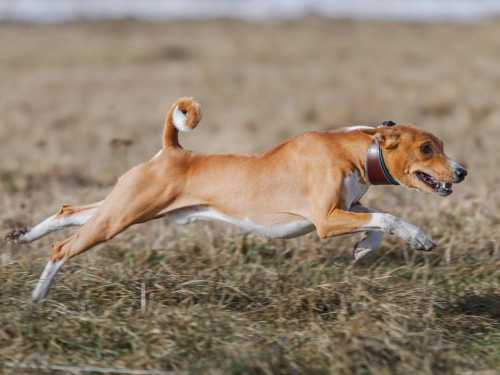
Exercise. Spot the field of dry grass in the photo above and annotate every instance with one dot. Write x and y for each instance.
(81, 103)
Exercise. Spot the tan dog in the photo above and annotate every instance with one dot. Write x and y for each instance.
(312, 181)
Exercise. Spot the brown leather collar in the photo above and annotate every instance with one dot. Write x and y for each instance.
(375, 167)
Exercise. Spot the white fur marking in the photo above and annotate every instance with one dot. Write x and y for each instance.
(157, 154)
(282, 230)
(180, 120)
(358, 127)
(56, 222)
(454, 165)
(45, 281)
(378, 221)
(406, 231)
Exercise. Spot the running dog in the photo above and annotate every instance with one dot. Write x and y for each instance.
(311, 182)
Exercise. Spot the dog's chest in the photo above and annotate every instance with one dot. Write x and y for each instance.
(354, 189)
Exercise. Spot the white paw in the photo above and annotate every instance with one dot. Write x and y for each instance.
(423, 242)
(359, 253)
(16, 235)
(413, 235)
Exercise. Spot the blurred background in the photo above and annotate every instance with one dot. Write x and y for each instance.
(416, 10)
(84, 88)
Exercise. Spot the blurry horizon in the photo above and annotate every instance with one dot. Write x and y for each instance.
(48, 11)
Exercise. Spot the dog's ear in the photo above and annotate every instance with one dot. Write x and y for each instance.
(369, 130)
(388, 137)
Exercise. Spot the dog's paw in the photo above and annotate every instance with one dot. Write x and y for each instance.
(413, 235)
(15, 235)
(361, 253)
(423, 242)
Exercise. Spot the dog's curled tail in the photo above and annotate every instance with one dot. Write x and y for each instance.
(183, 116)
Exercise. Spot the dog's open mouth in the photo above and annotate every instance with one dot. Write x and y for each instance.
(442, 188)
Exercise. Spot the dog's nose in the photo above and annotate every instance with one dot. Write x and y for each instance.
(460, 174)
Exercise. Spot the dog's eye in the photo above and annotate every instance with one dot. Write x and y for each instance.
(184, 112)
(426, 149)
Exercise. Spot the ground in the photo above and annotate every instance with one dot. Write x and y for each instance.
(81, 103)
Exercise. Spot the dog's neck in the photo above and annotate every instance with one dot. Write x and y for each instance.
(367, 156)
(376, 170)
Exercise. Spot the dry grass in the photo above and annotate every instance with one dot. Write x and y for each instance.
(83, 102)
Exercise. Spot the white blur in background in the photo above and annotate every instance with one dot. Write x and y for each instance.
(47, 11)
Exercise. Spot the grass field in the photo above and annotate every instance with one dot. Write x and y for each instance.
(81, 103)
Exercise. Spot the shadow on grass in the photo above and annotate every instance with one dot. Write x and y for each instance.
(483, 305)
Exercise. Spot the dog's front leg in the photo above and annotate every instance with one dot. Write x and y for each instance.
(372, 239)
(339, 222)
(408, 232)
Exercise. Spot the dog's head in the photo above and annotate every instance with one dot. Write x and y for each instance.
(416, 158)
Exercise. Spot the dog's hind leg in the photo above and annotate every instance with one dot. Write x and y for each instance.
(46, 279)
(67, 216)
(103, 226)
(137, 198)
